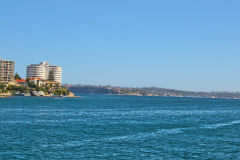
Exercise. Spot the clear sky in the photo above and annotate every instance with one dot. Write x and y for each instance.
(180, 44)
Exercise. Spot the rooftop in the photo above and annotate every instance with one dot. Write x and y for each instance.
(21, 80)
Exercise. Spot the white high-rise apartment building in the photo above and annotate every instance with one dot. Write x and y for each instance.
(56, 73)
(38, 71)
(43, 70)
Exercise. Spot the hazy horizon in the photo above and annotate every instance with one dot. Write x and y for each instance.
(184, 45)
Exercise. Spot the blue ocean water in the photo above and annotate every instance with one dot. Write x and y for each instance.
(119, 127)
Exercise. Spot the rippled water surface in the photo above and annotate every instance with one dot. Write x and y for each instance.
(119, 127)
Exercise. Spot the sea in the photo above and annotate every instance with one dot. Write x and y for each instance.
(112, 127)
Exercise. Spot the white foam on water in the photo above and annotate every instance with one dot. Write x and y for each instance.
(219, 125)
(141, 136)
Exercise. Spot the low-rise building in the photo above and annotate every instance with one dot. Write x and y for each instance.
(53, 85)
(37, 81)
(45, 83)
(22, 82)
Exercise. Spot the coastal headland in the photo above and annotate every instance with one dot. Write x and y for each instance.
(42, 79)
(34, 87)
(148, 91)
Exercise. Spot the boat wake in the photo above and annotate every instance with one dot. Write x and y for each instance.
(142, 136)
(219, 125)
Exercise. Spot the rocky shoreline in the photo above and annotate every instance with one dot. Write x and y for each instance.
(4, 95)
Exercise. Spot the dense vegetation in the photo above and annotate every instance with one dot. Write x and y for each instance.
(21, 89)
(62, 91)
(3, 88)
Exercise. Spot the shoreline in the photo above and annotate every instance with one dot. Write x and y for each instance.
(7, 96)
(42, 96)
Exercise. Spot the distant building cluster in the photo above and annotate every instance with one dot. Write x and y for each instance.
(39, 74)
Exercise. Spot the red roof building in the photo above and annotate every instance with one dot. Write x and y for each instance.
(21, 80)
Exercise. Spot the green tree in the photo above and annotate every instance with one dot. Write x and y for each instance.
(32, 85)
(17, 76)
(2, 86)
(61, 92)
(21, 89)
(51, 76)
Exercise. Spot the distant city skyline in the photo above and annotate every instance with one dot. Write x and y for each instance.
(187, 45)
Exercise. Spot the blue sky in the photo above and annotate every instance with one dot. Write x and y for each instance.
(187, 44)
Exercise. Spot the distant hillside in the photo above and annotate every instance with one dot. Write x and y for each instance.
(87, 89)
(148, 91)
